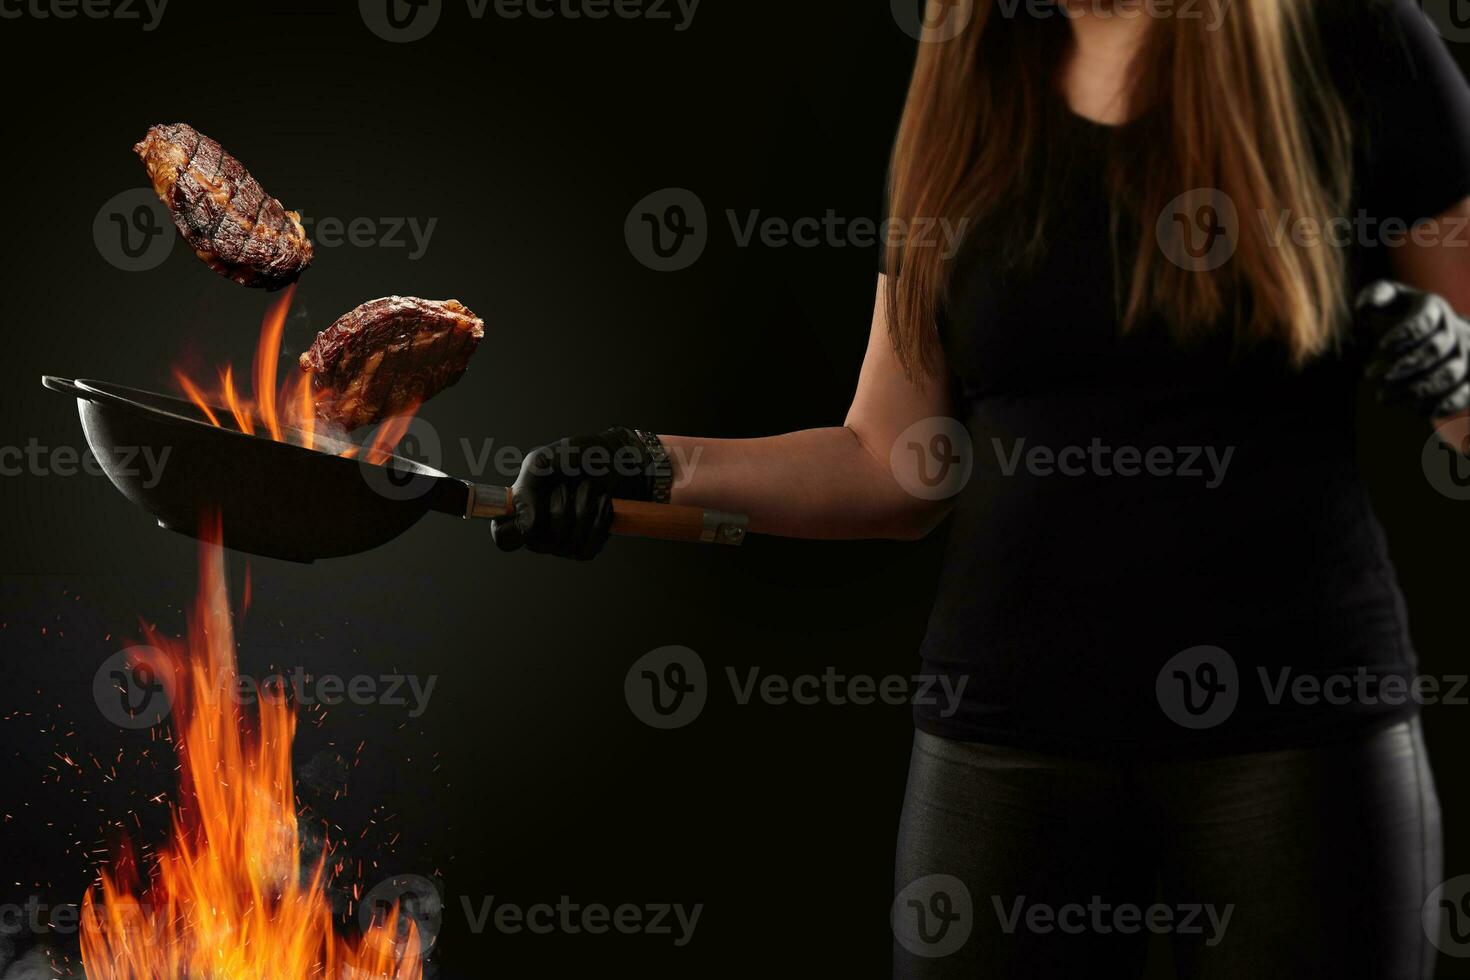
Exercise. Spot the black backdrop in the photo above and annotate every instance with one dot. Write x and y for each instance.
(527, 778)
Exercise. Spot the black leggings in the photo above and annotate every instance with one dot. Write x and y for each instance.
(1296, 863)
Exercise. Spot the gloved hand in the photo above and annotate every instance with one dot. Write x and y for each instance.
(1422, 353)
(564, 493)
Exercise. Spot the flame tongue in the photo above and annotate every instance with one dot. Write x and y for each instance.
(285, 411)
(227, 897)
(267, 355)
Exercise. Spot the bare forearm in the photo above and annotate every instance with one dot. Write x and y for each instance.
(818, 483)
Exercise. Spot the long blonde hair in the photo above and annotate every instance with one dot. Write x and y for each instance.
(1247, 109)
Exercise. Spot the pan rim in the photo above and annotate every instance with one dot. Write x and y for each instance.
(117, 396)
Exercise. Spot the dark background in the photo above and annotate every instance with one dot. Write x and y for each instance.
(527, 778)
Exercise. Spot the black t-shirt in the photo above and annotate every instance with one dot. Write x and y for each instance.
(1147, 520)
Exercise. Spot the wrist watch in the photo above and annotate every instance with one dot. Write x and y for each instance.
(660, 466)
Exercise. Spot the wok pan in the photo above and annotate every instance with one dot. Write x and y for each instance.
(286, 501)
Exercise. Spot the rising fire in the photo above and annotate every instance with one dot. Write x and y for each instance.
(226, 897)
(284, 412)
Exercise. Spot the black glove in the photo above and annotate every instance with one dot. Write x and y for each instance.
(1422, 355)
(564, 493)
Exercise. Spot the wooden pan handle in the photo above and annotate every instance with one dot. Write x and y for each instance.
(672, 522)
(631, 518)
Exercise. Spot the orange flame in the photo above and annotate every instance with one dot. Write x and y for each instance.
(285, 412)
(241, 413)
(388, 435)
(196, 396)
(267, 354)
(227, 897)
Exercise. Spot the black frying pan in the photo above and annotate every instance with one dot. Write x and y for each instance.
(286, 501)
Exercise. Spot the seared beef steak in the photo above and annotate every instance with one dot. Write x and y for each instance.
(238, 229)
(389, 355)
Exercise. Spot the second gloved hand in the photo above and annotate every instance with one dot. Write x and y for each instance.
(564, 493)
(1422, 356)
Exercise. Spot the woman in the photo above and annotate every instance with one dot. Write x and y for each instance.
(1162, 564)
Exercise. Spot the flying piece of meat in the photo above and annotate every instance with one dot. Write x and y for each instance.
(389, 355)
(229, 221)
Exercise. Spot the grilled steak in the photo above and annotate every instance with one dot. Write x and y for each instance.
(389, 355)
(229, 221)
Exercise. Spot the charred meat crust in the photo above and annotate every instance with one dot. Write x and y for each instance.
(227, 218)
(388, 356)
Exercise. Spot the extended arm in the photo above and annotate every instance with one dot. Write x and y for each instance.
(835, 482)
(823, 483)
